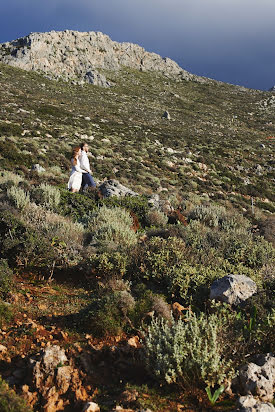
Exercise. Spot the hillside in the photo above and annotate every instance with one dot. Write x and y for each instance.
(107, 300)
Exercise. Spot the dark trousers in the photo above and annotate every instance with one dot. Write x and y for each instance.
(87, 180)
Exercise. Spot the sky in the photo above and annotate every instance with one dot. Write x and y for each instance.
(227, 40)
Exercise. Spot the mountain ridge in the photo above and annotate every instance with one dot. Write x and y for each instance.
(81, 56)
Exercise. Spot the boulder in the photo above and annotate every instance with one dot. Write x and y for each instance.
(37, 168)
(91, 407)
(97, 79)
(233, 289)
(250, 404)
(166, 115)
(258, 378)
(112, 187)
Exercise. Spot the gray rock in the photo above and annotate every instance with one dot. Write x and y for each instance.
(97, 79)
(112, 187)
(258, 378)
(233, 289)
(166, 115)
(272, 89)
(38, 168)
(262, 146)
(71, 55)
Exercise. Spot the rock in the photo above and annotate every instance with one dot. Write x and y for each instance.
(63, 378)
(233, 289)
(97, 79)
(134, 342)
(3, 349)
(246, 401)
(112, 187)
(258, 378)
(77, 56)
(91, 407)
(163, 205)
(166, 115)
(37, 168)
(272, 89)
(262, 146)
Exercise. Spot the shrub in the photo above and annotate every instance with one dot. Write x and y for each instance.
(107, 314)
(19, 197)
(107, 265)
(11, 178)
(23, 246)
(210, 214)
(76, 205)
(6, 278)
(137, 204)
(187, 351)
(111, 229)
(156, 218)
(46, 195)
(5, 313)
(9, 401)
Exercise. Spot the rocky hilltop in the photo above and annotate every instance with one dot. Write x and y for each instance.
(82, 56)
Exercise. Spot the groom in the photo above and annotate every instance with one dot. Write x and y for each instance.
(87, 179)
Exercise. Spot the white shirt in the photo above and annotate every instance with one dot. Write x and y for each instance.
(84, 162)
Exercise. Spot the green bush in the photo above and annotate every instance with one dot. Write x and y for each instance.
(76, 205)
(111, 229)
(156, 218)
(23, 246)
(187, 351)
(5, 313)
(6, 278)
(107, 265)
(47, 196)
(19, 197)
(10, 401)
(136, 204)
(107, 314)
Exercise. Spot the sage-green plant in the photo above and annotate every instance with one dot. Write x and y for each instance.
(187, 351)
(18, 197)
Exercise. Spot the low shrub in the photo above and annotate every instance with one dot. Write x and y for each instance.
(5, 314)
(111, 229)
(156, 218)
(47, 196)
(10, 401)
(76, 205)
(19, 198)
(187, 351)
(6, 278)
(107, 265)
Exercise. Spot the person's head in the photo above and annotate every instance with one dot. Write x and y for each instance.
(84, 146)
(75, 154)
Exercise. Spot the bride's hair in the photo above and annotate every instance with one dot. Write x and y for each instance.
(74, 154)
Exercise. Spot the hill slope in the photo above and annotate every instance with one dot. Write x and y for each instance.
(219, 139)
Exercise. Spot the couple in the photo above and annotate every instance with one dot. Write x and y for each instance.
(81, 173)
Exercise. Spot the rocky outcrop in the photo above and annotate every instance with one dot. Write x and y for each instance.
(250, 404)
(53, 375)
(258, 378)
(112, 187)
(73, 55)
(233, 289)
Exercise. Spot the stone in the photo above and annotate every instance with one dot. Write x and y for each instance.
(233, 289)
(63, 378)
(97, 79)
(3, 349)
(258, 378)
(112, 187)
(91, 407)
(82, 56)
(166, 115)
(37, 168)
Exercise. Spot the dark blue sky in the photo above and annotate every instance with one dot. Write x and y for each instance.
(228, 40)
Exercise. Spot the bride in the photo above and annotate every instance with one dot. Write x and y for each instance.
(74, 183)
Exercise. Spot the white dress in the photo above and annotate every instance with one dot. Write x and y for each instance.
(75, 176)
